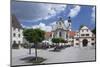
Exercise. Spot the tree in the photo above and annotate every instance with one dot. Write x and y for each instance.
(94, 30)
(28, 36)
(57, 40)
(81, 26)
(34, 36)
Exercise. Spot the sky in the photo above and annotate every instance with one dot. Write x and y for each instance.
(45, 15)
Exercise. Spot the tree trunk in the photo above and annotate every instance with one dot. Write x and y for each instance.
(29, 49)
(36, 51)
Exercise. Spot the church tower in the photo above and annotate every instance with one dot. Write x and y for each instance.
(69, 22)
(60, 23)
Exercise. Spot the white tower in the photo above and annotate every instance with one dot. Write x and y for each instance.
(69, 22)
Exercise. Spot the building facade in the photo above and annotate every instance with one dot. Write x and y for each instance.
(16, 32)
(60, 30)
(84, 37)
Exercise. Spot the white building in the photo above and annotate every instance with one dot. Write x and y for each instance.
(60, 30)
(16, 32)
(84, 37)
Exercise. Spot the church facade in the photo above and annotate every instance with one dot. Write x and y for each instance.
(60, 30)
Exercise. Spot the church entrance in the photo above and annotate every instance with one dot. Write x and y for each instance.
(85, 42)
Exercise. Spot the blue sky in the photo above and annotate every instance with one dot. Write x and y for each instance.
(44, 15)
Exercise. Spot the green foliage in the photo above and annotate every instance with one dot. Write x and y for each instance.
(81, 26)
(94, 30)
(28, 35)
(38, 35)
(58, 40)
(33, 35)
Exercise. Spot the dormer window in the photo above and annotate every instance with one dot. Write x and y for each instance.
(82, 30)
(87, 30)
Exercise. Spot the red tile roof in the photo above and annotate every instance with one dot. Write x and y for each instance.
(71, 33)
(48, 34)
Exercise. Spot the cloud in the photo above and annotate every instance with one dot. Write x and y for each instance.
(24, 26)
(42, 26)
(45, 27)
(93, 14)
(53, 23)
(36, 11)
(74, 11)
(52, 10)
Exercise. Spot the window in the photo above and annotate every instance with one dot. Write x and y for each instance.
(14, 34)
(18, 35)
(77, 39)
(60, 34)
(14, 42)
(50, 35)
(59, 23)
(69, 24)
(92, 35)
(19, 42)
(92, 38)
(66, 36)
(92, 43)
(77, 43)
(82, 34)
(87, 34)
(82, 30)
(87, 30)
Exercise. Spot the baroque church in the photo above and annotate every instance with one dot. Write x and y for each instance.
(60, 30)
(81, 38)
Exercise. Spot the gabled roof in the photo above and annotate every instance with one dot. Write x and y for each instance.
(14, 22)
(84, 27)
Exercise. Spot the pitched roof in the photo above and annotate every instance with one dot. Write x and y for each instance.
(14, 22)
(84, 27)
(71, 33)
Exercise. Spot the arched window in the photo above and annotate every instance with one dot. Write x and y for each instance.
(14, 42)
(60, 34)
